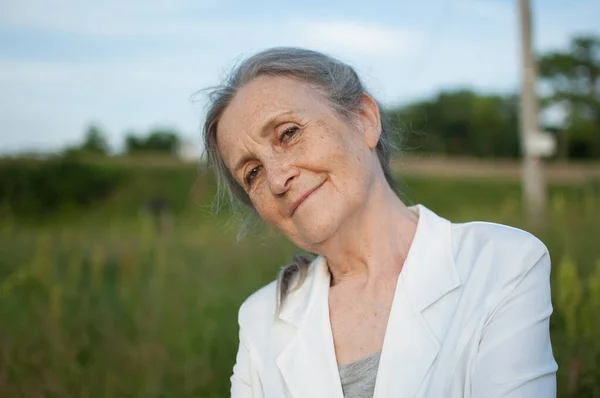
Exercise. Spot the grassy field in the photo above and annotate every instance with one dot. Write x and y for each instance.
(95, 304)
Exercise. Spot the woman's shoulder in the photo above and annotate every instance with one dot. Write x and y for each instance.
(259, 306)
(495, 255)
(502, 239)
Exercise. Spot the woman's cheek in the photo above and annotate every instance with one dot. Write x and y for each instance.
(269, 208)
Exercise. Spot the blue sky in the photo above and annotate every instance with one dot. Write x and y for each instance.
(134, 65)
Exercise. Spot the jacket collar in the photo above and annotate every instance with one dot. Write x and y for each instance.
(308, 363)
(298, 302)
(429, 271)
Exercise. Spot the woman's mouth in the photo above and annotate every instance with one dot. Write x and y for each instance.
(303, 197)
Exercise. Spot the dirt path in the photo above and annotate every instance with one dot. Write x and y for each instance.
(485, 168)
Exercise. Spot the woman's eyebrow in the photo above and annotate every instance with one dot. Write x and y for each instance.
(273, 121)
(241, 162)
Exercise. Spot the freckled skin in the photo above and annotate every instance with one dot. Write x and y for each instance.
(325, 149)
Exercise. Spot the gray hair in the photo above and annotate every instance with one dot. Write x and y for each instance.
(336, 81)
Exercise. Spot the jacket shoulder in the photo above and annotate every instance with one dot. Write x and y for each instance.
(489, 235)
(259, 307)
(497, 256)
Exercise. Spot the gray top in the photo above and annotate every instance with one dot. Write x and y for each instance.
(358, 378)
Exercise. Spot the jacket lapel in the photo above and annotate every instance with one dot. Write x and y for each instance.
(410, 347)
(308, 363)
(408, 351)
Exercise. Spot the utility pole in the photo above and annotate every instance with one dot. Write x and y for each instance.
(534, 143)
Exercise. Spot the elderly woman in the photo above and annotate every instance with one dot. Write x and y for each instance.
(399, 302)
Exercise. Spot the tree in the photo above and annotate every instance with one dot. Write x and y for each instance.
(460, 123)
(133, 143)
(574, 78)
(162, 141)
(95, 141)
(159, 140)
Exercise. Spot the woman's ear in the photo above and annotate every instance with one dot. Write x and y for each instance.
(371, 121)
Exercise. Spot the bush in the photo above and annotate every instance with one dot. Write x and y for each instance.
(35, 188)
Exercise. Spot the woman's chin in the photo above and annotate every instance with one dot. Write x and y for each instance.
(311, 231)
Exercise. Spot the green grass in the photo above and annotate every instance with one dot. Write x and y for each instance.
(94, 304)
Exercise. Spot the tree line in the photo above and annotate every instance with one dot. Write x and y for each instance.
(463, 122)
(468, 123)
(158, 140)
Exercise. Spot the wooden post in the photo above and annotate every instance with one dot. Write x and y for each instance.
(533, 178)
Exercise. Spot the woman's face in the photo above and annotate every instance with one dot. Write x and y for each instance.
(305, 169)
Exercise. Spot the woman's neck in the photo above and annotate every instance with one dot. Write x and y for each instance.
(374, 242)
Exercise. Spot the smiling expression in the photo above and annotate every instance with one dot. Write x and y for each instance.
(304, 167)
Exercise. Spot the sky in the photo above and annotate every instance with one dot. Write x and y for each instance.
(136, 65)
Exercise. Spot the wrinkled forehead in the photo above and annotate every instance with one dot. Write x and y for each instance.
(265, 96)
(261, 102)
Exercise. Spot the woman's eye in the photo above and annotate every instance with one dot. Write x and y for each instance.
(252, 174)
(288, 134)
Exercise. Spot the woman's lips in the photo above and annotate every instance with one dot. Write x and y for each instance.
(303, 197)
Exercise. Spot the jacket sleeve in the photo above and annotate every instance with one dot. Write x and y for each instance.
(515, 358)
(244, 378)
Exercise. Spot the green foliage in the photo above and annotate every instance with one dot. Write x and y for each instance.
(161, 140)
(463, 122)
(569, 298)
(95, 142)
(574, 77)
(579, 305)
(102, 306)
(40, 188)
(460, 123)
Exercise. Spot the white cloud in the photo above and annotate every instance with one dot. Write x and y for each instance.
(45, 104)
(108, 18)
(369, 39)
(48, 102)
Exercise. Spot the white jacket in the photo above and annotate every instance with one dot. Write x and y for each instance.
(470, 318)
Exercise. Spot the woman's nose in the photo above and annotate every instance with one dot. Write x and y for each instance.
(280, 177)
